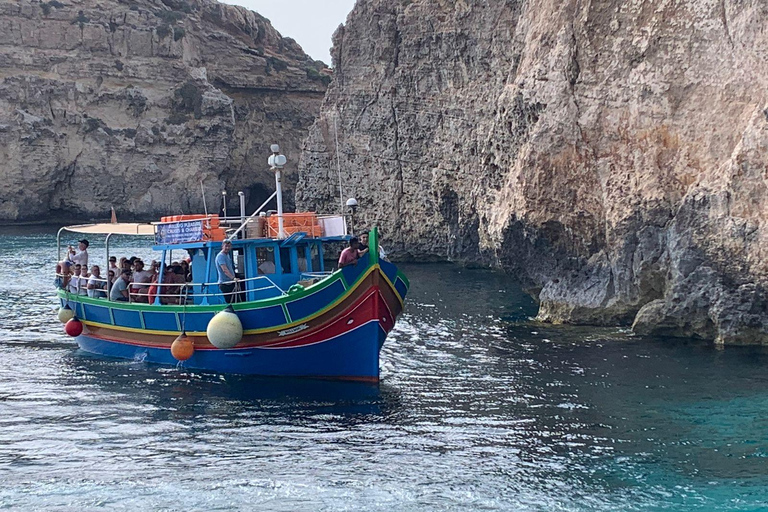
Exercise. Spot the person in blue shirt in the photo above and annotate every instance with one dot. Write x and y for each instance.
(227, 278)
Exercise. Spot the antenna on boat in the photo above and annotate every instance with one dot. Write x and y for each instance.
(276, 162)
(205, 206)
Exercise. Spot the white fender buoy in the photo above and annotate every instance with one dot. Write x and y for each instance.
(66, 314)
(225, 329)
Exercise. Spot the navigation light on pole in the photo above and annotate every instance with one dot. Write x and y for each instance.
(276, 162)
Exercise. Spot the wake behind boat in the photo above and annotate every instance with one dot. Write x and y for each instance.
(284, 315)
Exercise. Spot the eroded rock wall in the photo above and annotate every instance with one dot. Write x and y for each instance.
(131, 104)
(612, 154)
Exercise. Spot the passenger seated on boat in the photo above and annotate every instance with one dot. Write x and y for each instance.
(84, 277)
(173, 284)
(96, 285)
(141, 280)
(349, 255)
(113, 265)
(152, 290)
(74, 281)
(63, 275)
(179, 278)
(186, 272)
(119, 291)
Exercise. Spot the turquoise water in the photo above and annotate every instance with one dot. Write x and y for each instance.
(479, 409)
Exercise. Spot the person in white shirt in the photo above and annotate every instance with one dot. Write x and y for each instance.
(74, 281)
(141, 280)
(113, 267)
(96, 285)
(82, 288)
(80, 257)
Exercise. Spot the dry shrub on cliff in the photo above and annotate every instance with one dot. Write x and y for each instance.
(188, 99)
(163, 31)
(46, 6)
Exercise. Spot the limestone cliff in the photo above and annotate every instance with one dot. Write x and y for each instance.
(131, 104)
(611, 153)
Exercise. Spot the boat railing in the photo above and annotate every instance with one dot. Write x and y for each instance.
(272, 284)
(184, 287)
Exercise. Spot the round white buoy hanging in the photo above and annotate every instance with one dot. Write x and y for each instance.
(66, 314)
(224, 329)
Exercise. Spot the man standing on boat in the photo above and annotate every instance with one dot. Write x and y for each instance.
(227, 278)
(350, 255)
(81, 257)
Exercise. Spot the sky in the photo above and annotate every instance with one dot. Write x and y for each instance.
(310, 22)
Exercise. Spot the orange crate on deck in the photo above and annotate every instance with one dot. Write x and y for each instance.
(213, 221)
(305, 222)
(215, 235)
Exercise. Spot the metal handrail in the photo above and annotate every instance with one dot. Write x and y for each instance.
(131, 284)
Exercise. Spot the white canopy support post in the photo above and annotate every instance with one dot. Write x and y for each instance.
(241, 194)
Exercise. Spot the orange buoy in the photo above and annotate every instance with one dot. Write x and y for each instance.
(74, 327)
(182, 347)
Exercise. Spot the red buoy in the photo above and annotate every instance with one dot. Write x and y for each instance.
(74, 327)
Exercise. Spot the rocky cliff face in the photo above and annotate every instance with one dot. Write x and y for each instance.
(131, 104)
(612, 154)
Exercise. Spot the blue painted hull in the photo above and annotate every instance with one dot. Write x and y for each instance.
(353, 355)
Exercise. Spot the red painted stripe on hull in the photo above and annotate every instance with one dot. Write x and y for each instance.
(359, 314)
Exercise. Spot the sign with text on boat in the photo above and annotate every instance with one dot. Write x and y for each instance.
(179, 232)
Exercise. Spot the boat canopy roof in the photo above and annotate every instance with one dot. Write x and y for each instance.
(120, 228)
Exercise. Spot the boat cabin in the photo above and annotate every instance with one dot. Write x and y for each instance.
(265, 267)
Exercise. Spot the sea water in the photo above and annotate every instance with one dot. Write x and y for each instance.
(479, 408)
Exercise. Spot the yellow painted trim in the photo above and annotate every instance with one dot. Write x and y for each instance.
(134, 329)
(391, 285)
(317, 314)
(346, 294)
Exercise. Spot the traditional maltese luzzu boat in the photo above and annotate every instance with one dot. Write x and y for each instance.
(288, 316)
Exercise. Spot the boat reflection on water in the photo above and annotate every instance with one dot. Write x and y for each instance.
(179, 393)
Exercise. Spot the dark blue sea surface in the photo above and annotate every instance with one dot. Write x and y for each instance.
(479, 408)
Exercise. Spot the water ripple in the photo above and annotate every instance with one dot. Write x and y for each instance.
(479, 409)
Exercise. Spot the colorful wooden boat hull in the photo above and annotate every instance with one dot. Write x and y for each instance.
(333, 329)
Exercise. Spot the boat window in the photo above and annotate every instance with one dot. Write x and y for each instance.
(238, 260)
(285, 259)
(314, 251)
(301, 253)
(265, 259)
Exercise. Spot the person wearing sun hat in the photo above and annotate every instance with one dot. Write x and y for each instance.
(81, 256)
